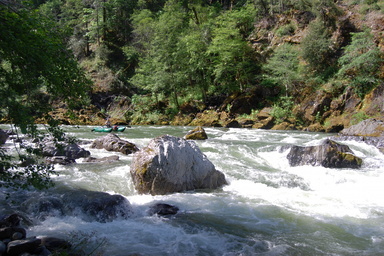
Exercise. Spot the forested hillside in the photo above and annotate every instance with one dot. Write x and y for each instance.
(237, 63)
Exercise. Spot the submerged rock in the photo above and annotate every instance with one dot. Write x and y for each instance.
(112, 142)
(54, 244)
(329, 154)
(3, 136)
(170, 164)
(87, 205)
(196, 134)
(62, 160)
(162, 209)
(97, 206)
(107, 159)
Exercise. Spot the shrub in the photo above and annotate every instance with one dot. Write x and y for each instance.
(282, 109)
(361, 62)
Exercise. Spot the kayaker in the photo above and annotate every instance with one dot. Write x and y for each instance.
(108, 123)
(115, 127)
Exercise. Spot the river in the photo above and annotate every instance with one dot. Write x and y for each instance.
(268, 208)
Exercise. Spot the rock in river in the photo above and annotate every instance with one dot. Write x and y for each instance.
(196, 134)
(112, 142)
(3, 136)
(50, 147)
(329, 154)
(170, 164)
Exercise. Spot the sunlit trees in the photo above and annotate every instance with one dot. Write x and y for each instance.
(361, 62)
(194, 49)
(234, 65)
(283, 68)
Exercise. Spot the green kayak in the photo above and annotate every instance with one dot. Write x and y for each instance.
(109, 129)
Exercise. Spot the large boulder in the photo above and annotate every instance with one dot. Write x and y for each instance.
(112, 142)
(170, 164)
(329, 154)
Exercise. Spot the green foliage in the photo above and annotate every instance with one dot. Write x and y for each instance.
(34, 68)
(251, 116)
(316, 48)
(358, 117)
(282, 109)
(146, 109)
(361, 62)
(234, 65)
(286, 30)
(326, 11)
(190, 49)
(160, 68)
(283, 68)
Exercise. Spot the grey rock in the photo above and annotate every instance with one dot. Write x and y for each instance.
(97, 206)
(107, 159)
(51, 148)
(3, 247)
(329, 154)
(3, 136)
(112, 142)
(369, 127)
(170, 164)
(62, 160)
(54, 243)
(17, 247)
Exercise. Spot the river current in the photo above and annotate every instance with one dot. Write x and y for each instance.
(268, 208)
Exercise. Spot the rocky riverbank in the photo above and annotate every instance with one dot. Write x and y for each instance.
(318, 111)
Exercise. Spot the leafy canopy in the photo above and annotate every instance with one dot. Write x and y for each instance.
(34, 68)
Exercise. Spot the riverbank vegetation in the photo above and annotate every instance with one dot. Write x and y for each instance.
(167, 61)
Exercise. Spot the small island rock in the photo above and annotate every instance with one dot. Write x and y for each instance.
(329, 154)
(50, 147)
(196, 134)
(112, 142)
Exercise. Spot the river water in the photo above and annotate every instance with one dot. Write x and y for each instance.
(268, 208)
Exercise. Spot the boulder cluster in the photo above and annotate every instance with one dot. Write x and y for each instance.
(14, 240)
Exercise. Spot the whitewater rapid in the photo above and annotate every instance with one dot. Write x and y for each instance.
(268, 208)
